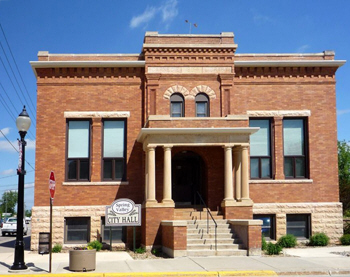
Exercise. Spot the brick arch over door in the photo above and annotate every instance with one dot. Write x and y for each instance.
(177, 89)
(203, 89)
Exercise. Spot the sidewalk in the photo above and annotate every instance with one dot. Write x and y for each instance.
(307, 261)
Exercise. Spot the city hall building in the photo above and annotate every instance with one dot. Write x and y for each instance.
(183, 127)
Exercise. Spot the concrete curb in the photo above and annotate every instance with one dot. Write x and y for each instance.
(165, 274)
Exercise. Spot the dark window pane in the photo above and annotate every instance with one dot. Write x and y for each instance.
(77, 229)
(201, 109)
(267, 229)
(300, 167)
(297, 225)
(117, 233)
(72, 169)
(265, 168)
(176, 109)
(288, 167)
(107, 169)
(254, 168)
(119, 169)
(84, 170)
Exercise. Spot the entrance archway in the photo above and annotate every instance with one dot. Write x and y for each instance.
(187, 178)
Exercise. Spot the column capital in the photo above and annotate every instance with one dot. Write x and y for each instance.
(167, 147)
(226, 147)
(150, 147)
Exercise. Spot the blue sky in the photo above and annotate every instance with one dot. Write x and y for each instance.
(111, 26)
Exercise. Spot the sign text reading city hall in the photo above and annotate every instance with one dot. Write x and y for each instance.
(123, 212)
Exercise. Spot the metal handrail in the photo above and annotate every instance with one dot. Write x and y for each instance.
(208, 212)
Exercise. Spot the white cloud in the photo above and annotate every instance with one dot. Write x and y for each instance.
(29, 185)
(303, 48)
(168, 11)
(260, 18)
(6, 146)
(4, 131)
(8, 172)
(341, 112)
(144, 18)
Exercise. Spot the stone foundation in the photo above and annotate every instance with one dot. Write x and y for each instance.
(325, 217)
(41, 222)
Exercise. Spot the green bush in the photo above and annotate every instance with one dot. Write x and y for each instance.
(287, 241)
(346, 228)
(319, 239)
(95, 245)
(263, 243)
(345, 239)
(140, 250)
(273, 249)
(57, 248)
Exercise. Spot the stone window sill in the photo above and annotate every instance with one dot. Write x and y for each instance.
(285, 181)
(117, 183)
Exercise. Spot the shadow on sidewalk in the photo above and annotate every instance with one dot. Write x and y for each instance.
(11, 243)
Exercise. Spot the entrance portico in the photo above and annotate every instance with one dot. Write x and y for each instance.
(234, 141)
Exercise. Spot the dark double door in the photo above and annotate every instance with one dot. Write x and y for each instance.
(187, 178)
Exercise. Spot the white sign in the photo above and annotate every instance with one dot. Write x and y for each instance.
(123, 212)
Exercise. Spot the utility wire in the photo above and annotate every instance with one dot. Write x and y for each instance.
(9, 176)
(3, 102)
(13, 85)
(14, 60)
(15, 148)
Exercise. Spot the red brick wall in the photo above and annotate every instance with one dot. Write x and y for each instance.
(238, 212)
(57, 94)
(174, 237)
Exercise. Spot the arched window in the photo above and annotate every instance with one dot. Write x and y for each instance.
(202, 105)
(177, 105)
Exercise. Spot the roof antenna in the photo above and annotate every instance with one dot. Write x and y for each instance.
(194, 24)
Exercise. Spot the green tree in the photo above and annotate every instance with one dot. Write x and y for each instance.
(344, 173)
(9, 201)
(28, 213)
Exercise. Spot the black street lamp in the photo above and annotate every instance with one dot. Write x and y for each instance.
(23, 123)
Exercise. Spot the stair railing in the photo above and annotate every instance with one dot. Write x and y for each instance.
(209, 213)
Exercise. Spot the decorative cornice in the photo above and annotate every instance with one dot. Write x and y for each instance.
(290, 63)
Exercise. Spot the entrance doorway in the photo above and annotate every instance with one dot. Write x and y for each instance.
(187, 178)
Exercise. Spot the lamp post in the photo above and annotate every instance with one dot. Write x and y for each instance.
(23, 123)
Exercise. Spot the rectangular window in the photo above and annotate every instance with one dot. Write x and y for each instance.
(294, 147)
(117, 232)
(260, 150)
(299, 225)
(114, 149)
(78, 154)
(176, 109)
(77, 230)
(268, 229)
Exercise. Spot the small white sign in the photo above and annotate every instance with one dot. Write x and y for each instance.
(123, 212)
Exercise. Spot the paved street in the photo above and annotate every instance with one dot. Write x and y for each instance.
(7, 242)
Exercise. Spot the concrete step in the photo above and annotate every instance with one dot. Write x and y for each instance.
(230, 246)
(207, 253)
(212, 236)
(205, 222)
(212, 241)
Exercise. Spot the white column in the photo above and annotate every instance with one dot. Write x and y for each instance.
(245, 174)
(146, 176)
(237, 155)
(167, 198)
(151, 164)
(228, 173)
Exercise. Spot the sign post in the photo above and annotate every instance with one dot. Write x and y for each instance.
(123, 212)
(52, 188)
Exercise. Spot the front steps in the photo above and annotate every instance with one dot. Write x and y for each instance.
(201, 239)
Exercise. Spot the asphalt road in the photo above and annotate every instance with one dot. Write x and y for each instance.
(7, 243)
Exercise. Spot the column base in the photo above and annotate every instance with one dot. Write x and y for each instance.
(168, 203)
(150, 203)
(228, 202)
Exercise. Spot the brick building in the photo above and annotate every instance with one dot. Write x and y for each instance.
(252, 135)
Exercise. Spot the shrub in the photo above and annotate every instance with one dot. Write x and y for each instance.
(57, 248)
(95, 245)
(346, 228)
(273, 249)
(319, 239)
(140, 250)
(287, 241)
(263, 243)
(345, 239)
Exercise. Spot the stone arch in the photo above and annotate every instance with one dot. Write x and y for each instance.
(176, 89)
(203, 89)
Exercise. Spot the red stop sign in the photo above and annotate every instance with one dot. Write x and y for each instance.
(52, 184)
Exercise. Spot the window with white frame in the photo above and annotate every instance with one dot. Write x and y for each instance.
(114, 149)
(260, 150)
(295, 148)
(78, 150)
(77, 230)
